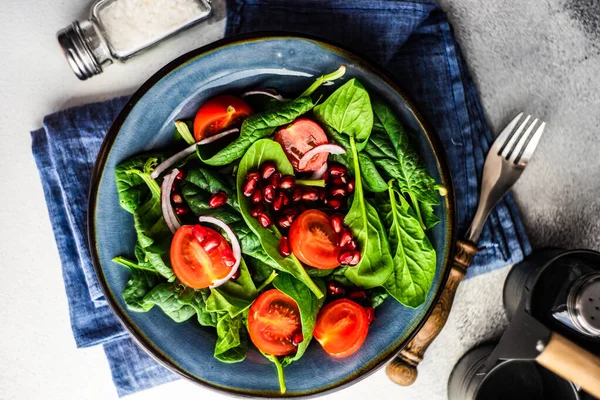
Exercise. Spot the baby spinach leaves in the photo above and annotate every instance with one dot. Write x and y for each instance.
(348, 111)
(261, 151)
(414, 256)
(390, 150)
(140, 195)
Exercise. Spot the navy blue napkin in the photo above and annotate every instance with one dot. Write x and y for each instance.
(412, 40)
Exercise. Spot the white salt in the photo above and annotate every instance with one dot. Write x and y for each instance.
(133, 24)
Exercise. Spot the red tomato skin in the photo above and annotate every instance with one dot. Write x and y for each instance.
(218, 114)
(262, 316)
(185, 249)
(341, 344)
(309, 245)
(299, 137)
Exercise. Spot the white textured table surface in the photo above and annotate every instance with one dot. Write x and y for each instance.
(523, 54)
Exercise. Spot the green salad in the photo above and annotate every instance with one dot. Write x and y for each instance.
(275, 220)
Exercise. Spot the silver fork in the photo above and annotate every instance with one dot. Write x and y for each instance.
(504, 164)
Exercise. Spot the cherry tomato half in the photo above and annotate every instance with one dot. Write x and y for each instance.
(273, 322)
(218, 114)
(200, 256)
(342, 327)
(314, 241)
(298, 138)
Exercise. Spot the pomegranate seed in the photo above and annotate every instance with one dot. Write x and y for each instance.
(335, 289)
(355, 258)
(182, 210)
(310, 194)
(174, 187)
(253, 176)
(249, 187)
(338, 181)
(259, 208)
(284, 222)
(325, 176)
(199, 233)
(235, 275)
(217, 199)
(287, 182)
(210, 242)
(290, 212)
(345, 257)
(345, 238)
(370, 314)
(337, 170)
(264, 220)
(322, 194)
(334, 203)
(284, 246)
(267, 169)
(275, 179)
(268, 194)
(257, 196)
(297, 194)
(278, 202)
(351, 245)
(297, 338)
(228, 258)
(181, 175)
(176, 198)
(358, 295)
(337, 222)
(338, 191)
(286, 199)
(350, 186)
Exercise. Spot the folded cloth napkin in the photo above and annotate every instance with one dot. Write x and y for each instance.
(412, 40)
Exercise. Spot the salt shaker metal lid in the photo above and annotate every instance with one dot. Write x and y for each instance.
(120, 29)
(583, 304)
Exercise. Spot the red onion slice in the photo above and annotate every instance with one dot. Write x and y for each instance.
(165, 201)
(318, 174)
(217, 136)
(172, 160)
(265, 93)
(322, 148)
(235, 247)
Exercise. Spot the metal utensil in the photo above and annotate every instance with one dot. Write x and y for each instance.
(528, 339)
(504, 164)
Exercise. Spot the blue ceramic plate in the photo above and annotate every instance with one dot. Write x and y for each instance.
(289, 64)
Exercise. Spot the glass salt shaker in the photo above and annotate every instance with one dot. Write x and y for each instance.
(121, 29)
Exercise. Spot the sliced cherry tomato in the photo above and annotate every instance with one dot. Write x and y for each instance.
(273, 322)
(342, 327)
(314, 241)
(298, 138)
(199, 256)
(218, 114)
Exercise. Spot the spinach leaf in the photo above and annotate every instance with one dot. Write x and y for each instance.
(372, 179)
(390, 149)
(348, 110)
(140, 195)
(309, 306)
(141, 281)
(414, 256)
(232, 339)
(377, 296)
(256, 127)
(233, 297)
(177, 301)
(261, 151)
(280, 374)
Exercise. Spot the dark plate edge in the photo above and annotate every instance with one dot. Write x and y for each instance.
(111, 135)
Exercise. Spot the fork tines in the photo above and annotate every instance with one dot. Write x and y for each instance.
(518, 145)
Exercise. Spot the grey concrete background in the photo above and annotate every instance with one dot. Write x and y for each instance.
(538, 56)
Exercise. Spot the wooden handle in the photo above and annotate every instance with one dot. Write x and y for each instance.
(403, 368)
(573, 363)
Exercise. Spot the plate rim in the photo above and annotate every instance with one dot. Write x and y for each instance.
(107, 143)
